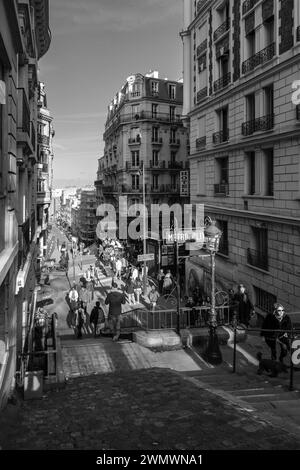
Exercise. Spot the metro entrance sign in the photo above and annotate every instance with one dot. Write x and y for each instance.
(182, 236)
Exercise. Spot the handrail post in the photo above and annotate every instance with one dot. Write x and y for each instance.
(234, 342)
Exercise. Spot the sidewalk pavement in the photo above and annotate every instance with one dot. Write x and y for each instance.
(154, 409)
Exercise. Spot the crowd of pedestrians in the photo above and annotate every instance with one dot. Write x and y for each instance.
(129, 287)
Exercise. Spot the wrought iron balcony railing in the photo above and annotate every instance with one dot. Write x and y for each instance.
(222, 82)
(157, 140)
(221, 189)
(43, 140)
(201, 48)
(158, 165)
(201, 142)
(264, 123)
(201, 94)
(221, 136)
(175, 142)
(113, 124)
(259, 58)
(135, 94)
(222, 29)
(248, 5)
(258, 259)
(200, 4)
(134, 140)
(131, 189)
(175, 165)
(134, 166)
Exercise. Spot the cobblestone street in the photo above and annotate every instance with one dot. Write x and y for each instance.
(142, 409)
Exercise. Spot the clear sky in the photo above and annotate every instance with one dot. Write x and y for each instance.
(96, 45)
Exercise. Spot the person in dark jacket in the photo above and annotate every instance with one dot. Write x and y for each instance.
(115, 298)
(285, 324)
(270, 323)
(97, 317)
(80, 320)
(278, 320)
(244, 305)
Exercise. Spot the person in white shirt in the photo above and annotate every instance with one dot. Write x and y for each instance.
(134, 274)
(118, 268)
(73, 296)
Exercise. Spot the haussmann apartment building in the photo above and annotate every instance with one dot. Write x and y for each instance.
(240, 61)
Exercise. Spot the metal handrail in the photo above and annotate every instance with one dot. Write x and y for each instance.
(292, 334)
(190, 317)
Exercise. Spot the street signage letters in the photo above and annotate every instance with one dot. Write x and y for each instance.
(182, 236)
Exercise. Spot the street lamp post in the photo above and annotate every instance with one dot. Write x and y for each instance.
(213, 352)
(144, 231)
(178, 285)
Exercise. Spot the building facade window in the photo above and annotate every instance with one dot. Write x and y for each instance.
(257, 254)
(155, 132)
(155, 181)
(250, 107)
(268, 172)
(154, 88)
(135, 158)
(269, 100)
(223, 247)
(135, 179)
(173, 135)
(154, 110)
(264, 300)
(155, 157)
(173, 181)
(201, 179)
(173, 157)
(222, 176)
(172, 92)
(250, 173)
(172, 113)
(135, 111)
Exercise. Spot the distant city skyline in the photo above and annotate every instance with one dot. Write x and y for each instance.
(94, 49)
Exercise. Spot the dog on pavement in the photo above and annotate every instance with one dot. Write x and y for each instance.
(269, 365)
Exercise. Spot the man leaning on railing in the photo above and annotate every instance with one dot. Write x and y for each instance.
(278, 320)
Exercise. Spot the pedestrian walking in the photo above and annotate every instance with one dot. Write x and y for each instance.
(135, 273)
(244, 305)
(73, 298)
(278, 320)
(168, 282)
(138, 288)
(153, 297)
(97, 319)
(130, 291)
(115, 299)
(118, 268)
(84, 297)
(79, 321)
(285, 325)
(160, 279)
